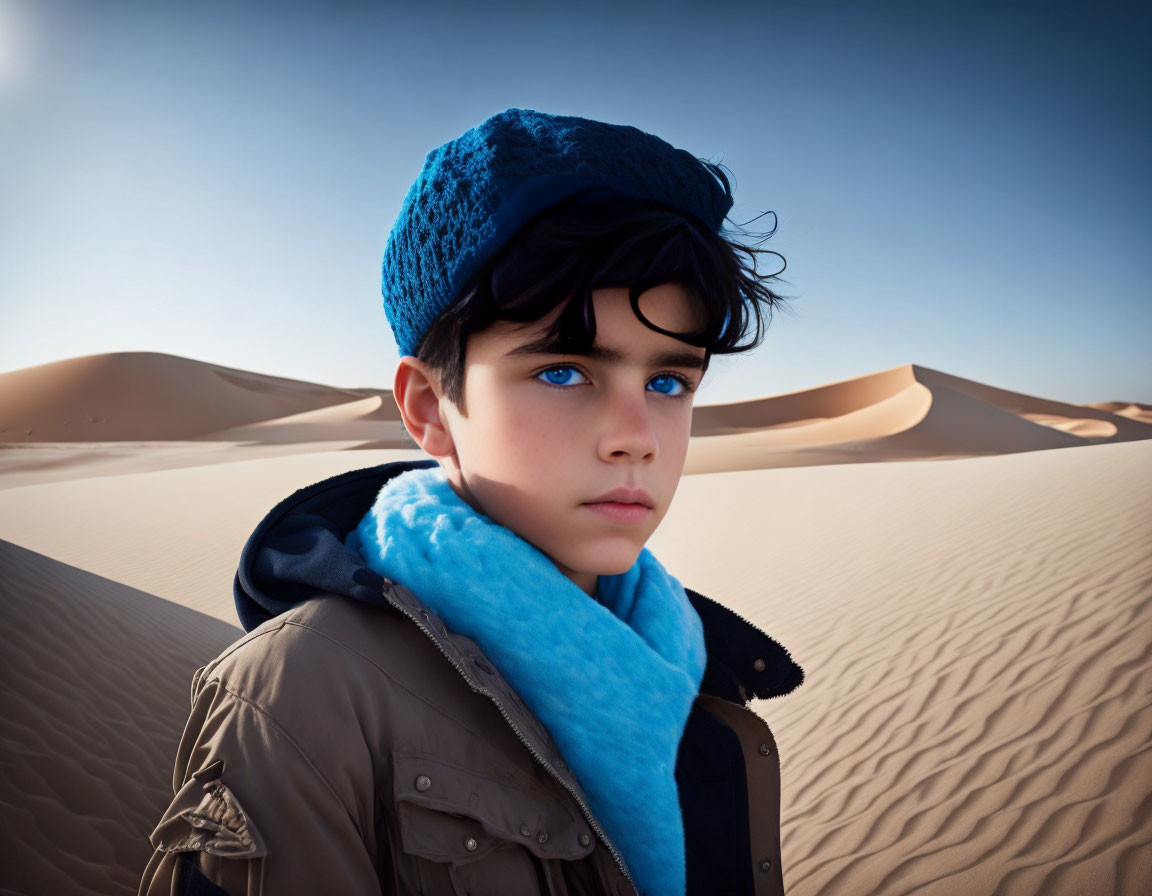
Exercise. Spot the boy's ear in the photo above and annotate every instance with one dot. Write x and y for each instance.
(416, 389)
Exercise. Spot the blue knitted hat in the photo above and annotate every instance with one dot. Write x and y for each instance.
(475, 192)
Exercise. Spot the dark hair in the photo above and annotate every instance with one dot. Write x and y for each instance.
(590, 243)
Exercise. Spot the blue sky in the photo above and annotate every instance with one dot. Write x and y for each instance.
(958, 185)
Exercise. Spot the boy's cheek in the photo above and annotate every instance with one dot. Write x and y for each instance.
(527, 434)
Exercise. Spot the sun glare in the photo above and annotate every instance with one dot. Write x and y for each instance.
(13, 42)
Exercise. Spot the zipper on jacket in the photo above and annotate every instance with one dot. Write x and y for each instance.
(479, 689)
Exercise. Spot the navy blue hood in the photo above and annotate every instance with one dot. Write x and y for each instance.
(298, 552)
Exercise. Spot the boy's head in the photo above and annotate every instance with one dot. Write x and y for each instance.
(557, 287)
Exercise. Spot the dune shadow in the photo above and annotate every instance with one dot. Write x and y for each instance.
(94, 693)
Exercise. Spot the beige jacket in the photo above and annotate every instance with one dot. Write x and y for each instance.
(345, 748)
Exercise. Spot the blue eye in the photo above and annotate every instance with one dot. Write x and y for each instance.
(666, 384)
(562, 376)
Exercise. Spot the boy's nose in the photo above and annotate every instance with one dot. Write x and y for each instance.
(627, 432)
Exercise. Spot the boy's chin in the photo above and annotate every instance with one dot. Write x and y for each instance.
(617, 569)
(615, 564)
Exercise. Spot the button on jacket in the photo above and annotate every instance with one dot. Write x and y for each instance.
(350, 743)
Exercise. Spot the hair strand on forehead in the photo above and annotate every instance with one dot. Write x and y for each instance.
(564, 254)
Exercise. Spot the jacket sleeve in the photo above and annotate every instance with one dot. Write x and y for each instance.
(273, 795)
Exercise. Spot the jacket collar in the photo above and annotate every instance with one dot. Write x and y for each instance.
(297, 552)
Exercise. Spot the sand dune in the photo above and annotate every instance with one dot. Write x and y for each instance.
(806, 406)
(1131, 409)
(908, 412)
(144, 396)
(849, 398)
(93, 698)
(1040, 409)
(132, 412)
(976, 632)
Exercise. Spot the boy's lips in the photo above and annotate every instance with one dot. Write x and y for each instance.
(624, 495)
(623, 505)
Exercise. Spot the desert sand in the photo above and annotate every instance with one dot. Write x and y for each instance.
(964, 572)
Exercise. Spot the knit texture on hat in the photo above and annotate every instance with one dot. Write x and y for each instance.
(475, 192)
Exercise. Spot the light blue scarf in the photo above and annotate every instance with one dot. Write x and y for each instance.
(613, 679)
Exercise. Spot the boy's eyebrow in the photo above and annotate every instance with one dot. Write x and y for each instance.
(547, 346)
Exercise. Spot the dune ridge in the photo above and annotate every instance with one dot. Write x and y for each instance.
(905, 413)
(148, 396)
(1134, 410)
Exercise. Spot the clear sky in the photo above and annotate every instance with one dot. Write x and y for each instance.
(961, 185)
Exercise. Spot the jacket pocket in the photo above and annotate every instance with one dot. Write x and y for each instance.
(487, 835)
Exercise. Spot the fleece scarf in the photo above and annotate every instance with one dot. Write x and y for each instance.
(612, 678)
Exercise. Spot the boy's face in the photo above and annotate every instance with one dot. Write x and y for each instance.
(580, 455)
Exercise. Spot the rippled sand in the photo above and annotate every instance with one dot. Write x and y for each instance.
(977, 716)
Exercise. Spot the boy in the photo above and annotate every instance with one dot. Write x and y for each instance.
(470, 676)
